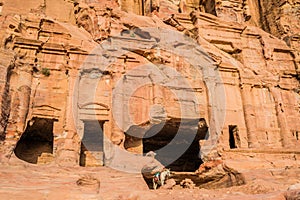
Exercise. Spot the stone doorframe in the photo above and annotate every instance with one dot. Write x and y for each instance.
(94, 111)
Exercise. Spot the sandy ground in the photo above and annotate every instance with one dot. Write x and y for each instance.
(25, 181)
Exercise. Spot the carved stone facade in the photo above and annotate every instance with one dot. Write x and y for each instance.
(54, 72)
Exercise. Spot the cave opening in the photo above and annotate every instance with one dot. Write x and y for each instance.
(210, 6)
(176, 137)
(234, 139)
(36, 141)
(91, 149)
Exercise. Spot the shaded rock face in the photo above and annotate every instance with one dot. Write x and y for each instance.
(292, 195)
(286, 23)
(223, 82)
(215, 174)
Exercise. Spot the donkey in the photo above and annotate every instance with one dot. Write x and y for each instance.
(159, 178)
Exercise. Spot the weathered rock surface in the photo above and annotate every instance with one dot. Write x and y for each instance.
(52, 182)
(187, 183)
(294, 187)
(102, 82)
(292, 195)
(258, 71)
(215, 174)
(169, 184)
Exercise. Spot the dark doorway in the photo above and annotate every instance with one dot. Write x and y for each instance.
(210, 7)
(91, 153)
(296, 135)
(168, 137)
(234, 138)
(36, 140)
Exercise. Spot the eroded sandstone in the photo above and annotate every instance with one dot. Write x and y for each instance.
(104, 82)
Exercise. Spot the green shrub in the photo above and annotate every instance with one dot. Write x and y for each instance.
(46, 71)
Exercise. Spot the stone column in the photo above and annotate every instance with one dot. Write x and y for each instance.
(117, 136)
(281, 117)
(108, 147)
(249, 113)
(67, 143)
(132, 6)
(20, 92)
(24, 94)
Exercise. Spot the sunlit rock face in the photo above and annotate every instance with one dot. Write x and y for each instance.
(84, 80)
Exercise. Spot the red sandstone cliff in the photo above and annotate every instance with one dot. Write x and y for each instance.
(89, 82)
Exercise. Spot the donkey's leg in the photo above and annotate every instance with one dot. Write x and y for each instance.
(154, 184)
(162, 179)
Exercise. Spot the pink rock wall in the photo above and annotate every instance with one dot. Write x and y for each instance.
(50, 70)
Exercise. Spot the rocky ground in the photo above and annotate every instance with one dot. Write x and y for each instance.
(25, 181)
